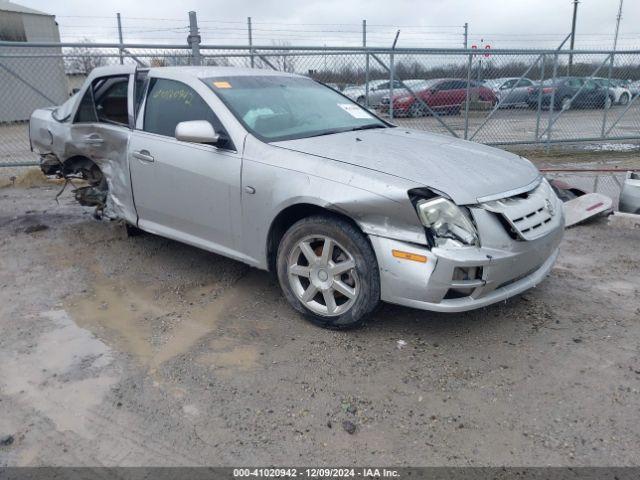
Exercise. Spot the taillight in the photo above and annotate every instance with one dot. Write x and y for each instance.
(547, 90)
(531, 89)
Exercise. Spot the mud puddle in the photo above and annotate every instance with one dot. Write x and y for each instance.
(155, 327)
(68, 366)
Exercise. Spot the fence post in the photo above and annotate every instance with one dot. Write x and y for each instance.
(250, 42)
(120, 37)
(392, 67)
(605, 113)
(552, 100)
(194, 39)
(392, 72)
(366, 64)
(466, 100)
(539, 107)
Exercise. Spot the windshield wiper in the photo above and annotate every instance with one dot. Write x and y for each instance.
(368, 127)
(329, 132)
(343, 130)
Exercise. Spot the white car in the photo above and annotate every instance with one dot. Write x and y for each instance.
(620, 94)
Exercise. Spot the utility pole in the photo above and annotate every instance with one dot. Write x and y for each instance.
(120, 38)
(573, 35)
(615, 38)
(466, 34)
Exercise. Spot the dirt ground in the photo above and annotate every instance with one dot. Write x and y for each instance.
(144, 351)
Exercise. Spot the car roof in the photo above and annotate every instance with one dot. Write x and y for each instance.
(214, 71)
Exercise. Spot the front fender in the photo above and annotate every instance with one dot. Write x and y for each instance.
(378, 203)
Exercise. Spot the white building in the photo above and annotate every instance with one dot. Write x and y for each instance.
(31, 77)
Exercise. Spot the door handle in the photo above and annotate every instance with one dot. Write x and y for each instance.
(93, 140)
(143, 155)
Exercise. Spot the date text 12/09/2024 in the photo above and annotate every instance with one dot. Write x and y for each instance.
(316, 472)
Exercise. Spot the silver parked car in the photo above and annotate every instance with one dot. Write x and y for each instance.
(285, 174)
(377, 90)
(511, 91)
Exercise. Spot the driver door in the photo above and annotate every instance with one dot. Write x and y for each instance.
(186, 191)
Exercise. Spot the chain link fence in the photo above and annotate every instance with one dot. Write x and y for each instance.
(504, 97)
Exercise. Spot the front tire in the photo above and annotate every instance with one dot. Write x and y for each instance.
(328, 272)
(565, 103)
(415, 110)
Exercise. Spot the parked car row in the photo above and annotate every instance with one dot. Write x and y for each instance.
(416, 97)
(567, 92)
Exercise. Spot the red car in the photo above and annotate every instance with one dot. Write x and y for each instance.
(443, 95)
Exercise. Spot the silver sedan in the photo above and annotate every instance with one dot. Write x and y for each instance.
(511, 91)
(285, 174)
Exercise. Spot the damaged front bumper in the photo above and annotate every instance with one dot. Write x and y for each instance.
(461, 279)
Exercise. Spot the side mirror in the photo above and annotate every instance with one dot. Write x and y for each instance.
(196, 131)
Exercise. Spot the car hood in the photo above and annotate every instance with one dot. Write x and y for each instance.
(465, 171)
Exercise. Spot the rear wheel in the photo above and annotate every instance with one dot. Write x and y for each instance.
(624, 99)
(328, 272)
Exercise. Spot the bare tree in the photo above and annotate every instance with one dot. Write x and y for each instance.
(281, 59)
(83, 59)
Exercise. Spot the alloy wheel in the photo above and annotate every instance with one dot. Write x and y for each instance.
(322, 275)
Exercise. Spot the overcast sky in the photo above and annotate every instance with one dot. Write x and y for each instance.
(436, 23)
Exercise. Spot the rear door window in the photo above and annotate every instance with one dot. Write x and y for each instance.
(105, 101)
(86, 110)
(111, 100)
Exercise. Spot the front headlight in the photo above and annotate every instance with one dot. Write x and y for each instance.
(446, 221)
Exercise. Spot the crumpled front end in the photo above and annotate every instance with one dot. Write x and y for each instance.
(519, 240)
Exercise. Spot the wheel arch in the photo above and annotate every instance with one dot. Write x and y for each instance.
(290, 215)
(76, 162)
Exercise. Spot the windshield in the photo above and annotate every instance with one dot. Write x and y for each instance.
(276, 108)
(63, 112)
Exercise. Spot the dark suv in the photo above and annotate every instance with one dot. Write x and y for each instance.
(563, 89)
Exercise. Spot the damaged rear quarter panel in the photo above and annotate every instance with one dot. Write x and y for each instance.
(377, 202)
(67, 140)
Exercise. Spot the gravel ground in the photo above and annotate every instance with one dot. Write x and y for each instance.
(144, 351)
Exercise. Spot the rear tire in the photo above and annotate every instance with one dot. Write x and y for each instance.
(336, 289)
(624, 99)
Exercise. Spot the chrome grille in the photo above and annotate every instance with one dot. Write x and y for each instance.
(529, 215)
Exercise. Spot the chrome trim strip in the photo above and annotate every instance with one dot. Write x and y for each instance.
(511, 193)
